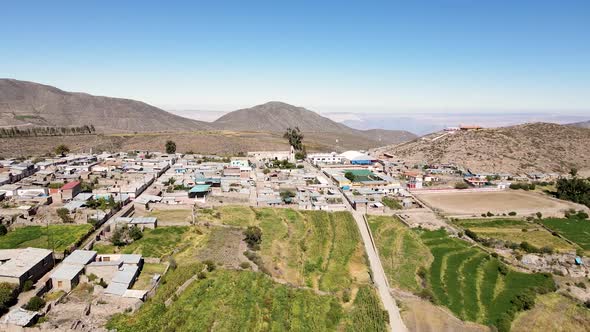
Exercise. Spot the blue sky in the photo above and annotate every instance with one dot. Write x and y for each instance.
(362, 56)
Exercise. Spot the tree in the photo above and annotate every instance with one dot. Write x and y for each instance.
(117, 238)
(349, 175)
(253, 236)
(170, 147)
(62, 150)
(3, 230)
(461, 185)
(295, 138)
(35, 303)
(64, 214)
(135, 233)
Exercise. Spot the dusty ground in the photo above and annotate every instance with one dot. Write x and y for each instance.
(225, 247)
(476, 203)
(422, 316)
(422, 217)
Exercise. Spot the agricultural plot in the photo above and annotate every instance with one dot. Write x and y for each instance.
(176, 217)
(575, 230)
(154, 243)
(56, 237)
(220, 303)
(306, 248)
(517, 231)
(475, 286)
(401, 251)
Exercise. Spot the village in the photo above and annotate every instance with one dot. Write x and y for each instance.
(64, 217)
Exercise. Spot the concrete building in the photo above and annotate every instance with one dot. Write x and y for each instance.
(20, 265)
(70, 190)
(67, 274)
(324, 158)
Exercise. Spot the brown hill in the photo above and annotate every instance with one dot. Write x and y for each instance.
(277, 116)
(534, 147)
(28, 103)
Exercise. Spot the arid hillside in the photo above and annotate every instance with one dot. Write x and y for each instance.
(32, 104)
(215, 142)
(535, 147)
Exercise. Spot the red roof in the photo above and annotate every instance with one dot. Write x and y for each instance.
(70, 185)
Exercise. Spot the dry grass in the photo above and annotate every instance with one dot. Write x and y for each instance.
(553, 312)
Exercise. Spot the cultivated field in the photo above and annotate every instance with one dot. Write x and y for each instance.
(144, 281)
(56, 237)
(249, 301)
(472, 284)
(497, 202)
(401, 251)
(312, 276)
(312, 248)
(575, 230)
(517, 231)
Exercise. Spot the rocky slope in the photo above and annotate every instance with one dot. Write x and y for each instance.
(533, 147)
(27, 103)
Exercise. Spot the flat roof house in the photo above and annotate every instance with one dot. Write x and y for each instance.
(20, 265)
(67, 274)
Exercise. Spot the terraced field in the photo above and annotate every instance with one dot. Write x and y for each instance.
(472, 284)
(401, 251)
(306, 248)
(515, 230)
(575, 230)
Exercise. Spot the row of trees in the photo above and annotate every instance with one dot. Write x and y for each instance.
(574, 189)
(46, 131)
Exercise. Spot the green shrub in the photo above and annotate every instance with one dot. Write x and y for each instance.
(3, 230)
(28, 285)
(35, 304)
(512, 213)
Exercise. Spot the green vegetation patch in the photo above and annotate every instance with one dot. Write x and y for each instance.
(401, 251)
(220, 302)
(476, 286)
(58, 237)
(154, 243)
(573, 229)
(391, 203)
(515, 230)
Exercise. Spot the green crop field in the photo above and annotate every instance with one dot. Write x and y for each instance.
(512, 230)
(313, 248)
(401, 251)
(249, 301)
(575, 230)
(58, 237)
(154, 243)
(173, 217)
(317, 254)
(472, 284)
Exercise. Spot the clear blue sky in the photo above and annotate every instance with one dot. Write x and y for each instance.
(328, 56)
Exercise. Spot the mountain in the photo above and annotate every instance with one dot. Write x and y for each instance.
(583, 124)
(277, 116)
(533, 147)
(28, 103)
